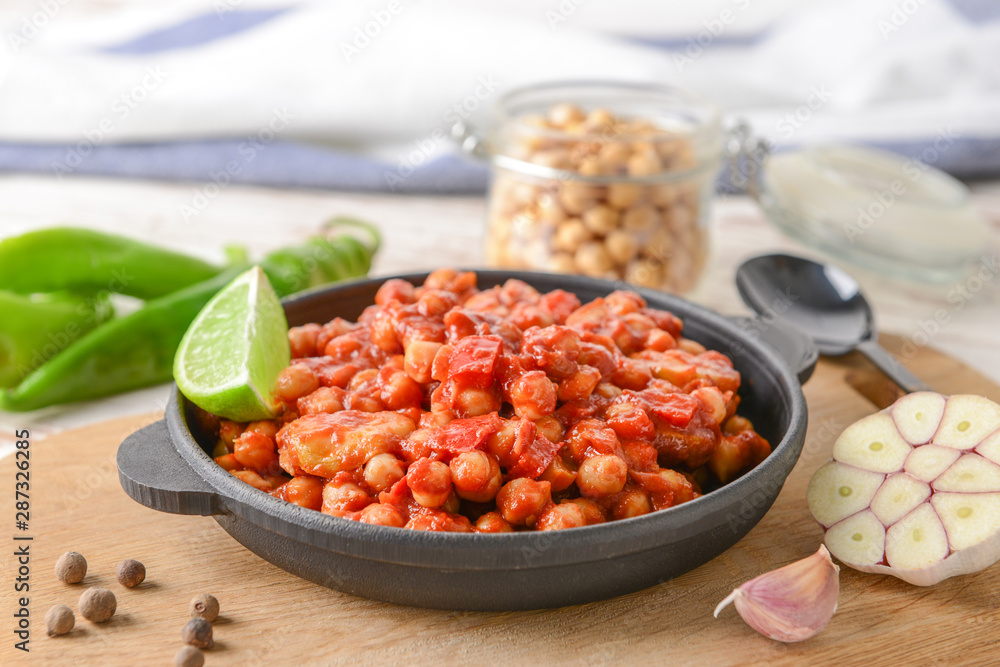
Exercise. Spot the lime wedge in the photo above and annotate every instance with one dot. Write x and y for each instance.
(230, 357)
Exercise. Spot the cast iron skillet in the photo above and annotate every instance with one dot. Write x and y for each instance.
(165, 467)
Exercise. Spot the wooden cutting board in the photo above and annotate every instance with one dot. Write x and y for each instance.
(271, 617)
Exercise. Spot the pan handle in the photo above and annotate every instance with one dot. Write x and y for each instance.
(154, 474)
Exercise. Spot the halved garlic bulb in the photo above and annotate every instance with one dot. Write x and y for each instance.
(914, 490)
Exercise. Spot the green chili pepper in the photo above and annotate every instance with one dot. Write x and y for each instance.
(138, 350)
(36, 327)
(86, 261)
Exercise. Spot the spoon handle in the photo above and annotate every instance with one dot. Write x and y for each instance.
(891, 366)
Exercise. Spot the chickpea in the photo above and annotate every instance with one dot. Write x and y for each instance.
(571, 234)
(473, 402)
(533, 395)
(304, 491)
(645, 273)
(600, 119)
(592, 259)
(435, 302)
(229, 431)
(429, 482)
(736, 424)
(452, 504)
(551, 428)
(680, 486)
(342, 348)
(252, 478)
(640, 218)
(324, 400)
(561, 517)
(436, 419)
(560, 475)
(631, 504)
(362, 380)
(591, 166)
(267, 428)
(302, 340)
(600, 219)
(382, 471)
(615, 155)
(522, 500)
(535, 253)
(592, 512)
(221, 452)
(607, 390)
(622, 247)
(602, 475)
(346, 497)
(560, 262)
(577, 197)
(295, 381)
(395, 290)
(660, 245)
(644, 163)
(564, 115)
(690, 195)
(501, 443)
(493, 522)
(400, 391)
(549, 210)
(665, 195)
(256, 451)
(379, 514)
(623, 195)
(476, 476)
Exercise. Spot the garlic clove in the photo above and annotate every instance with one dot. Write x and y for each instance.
(792, 603)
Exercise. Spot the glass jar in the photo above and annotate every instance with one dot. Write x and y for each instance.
(611, 180)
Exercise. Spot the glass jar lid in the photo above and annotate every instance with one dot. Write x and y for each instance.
(892, 214)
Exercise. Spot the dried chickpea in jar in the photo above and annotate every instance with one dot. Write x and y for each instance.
(596, 193)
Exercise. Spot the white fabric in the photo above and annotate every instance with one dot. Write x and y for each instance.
(885, 82)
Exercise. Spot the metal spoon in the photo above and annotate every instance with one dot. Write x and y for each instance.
(825, 303)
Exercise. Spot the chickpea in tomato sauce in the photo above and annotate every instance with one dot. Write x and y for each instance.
(450, 408)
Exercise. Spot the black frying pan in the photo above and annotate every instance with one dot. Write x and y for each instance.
(165, 466)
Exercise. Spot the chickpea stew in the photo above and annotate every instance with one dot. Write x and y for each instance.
(450, 408)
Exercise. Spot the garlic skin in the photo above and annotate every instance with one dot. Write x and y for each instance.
(792, 603)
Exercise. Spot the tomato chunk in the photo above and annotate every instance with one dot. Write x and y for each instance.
(465, 435)
(676, 409)
(474, 359)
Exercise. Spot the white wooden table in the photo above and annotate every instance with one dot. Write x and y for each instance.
(429, 232)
